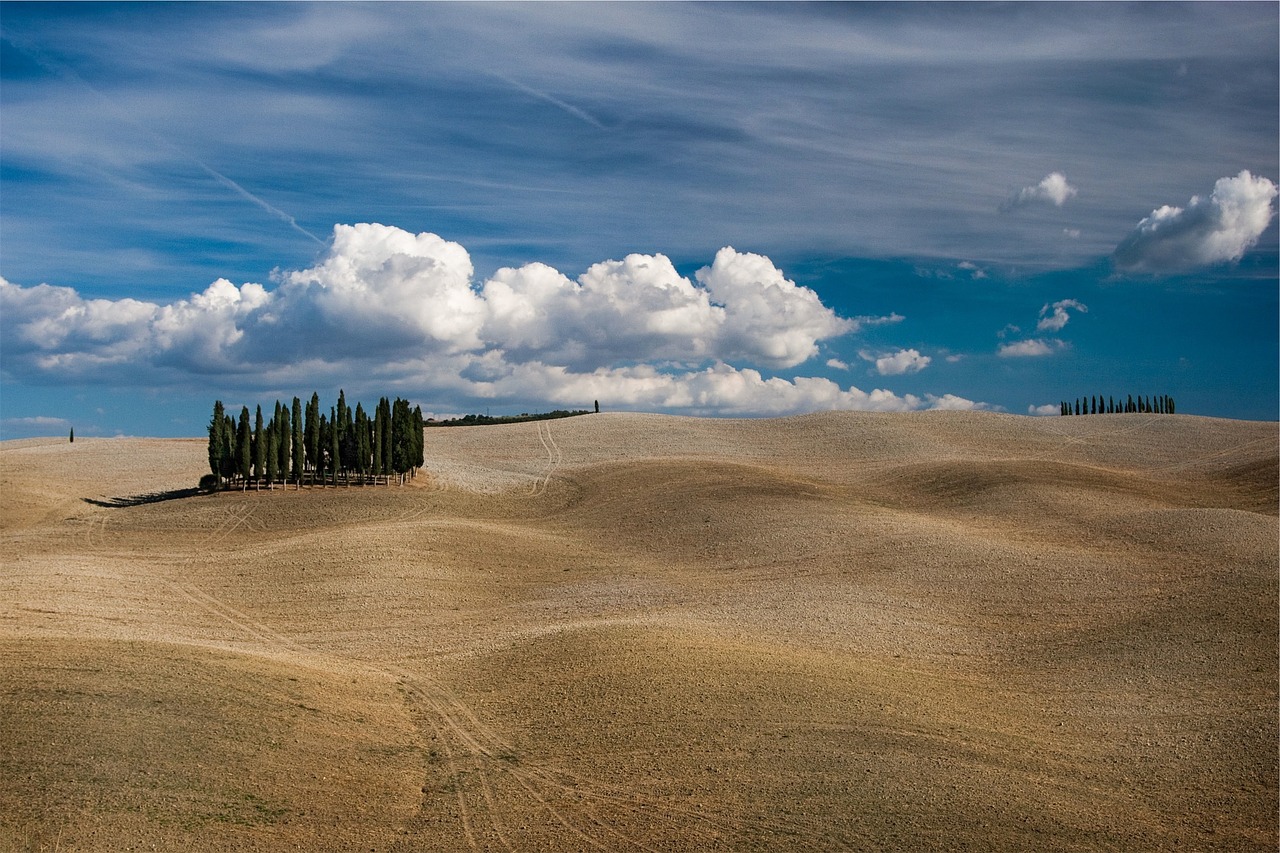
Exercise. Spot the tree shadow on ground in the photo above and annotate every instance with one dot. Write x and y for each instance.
(139, 500)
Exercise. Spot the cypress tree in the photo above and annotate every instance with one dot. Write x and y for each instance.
(384, 406)
(379, 436)
(273, 451)
(259, 447)
(362, 442)
(228, 448)
(217, 441)
(312, 445)
(298, 463)
(285, 435)
(322, 438)
(335, 445)
(419, 439)
(244, 447)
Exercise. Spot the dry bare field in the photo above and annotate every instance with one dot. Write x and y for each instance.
(936, 631)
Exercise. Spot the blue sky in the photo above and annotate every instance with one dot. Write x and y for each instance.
(718, 209)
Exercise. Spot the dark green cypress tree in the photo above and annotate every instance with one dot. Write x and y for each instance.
(285, 432)
(363, 451)
(312, 445)
(272, 438)
(298, 464)
(335, 445)
(259, 448)
(228, 448)
(388, 467)
(379, 436)
(419, 439)
(217, 441)
(322, 450)
(244, 447)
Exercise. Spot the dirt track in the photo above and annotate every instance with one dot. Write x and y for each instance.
(839, 631)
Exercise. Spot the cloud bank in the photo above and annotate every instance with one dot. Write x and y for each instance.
(1207, 231)
(403, 309)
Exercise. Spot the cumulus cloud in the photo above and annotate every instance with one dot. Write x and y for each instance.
(898, 363)
(1209, 230)
(837, 364)
(1032, 348)
(1053, 189)
(397, 308)
(1054, 317)
(1043, 411)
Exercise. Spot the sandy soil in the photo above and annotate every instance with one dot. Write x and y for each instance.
(845, 631)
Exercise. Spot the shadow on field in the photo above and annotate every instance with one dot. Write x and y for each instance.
(148, 498)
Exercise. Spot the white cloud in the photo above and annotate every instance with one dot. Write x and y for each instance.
(837, 364)
(1207, 231)
(1054, 317)
(898, 363)
(398, 310)
(1052, 189)
(767, 317)
(1042, 411)
(1031, 348)
(37, 421)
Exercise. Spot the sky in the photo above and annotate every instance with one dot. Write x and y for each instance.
(706, 209)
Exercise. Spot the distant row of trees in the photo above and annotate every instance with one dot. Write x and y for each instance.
(1161, 404)
(297, 445)
(487, 420)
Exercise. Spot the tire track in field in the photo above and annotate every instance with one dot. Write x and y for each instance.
(554, 458)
